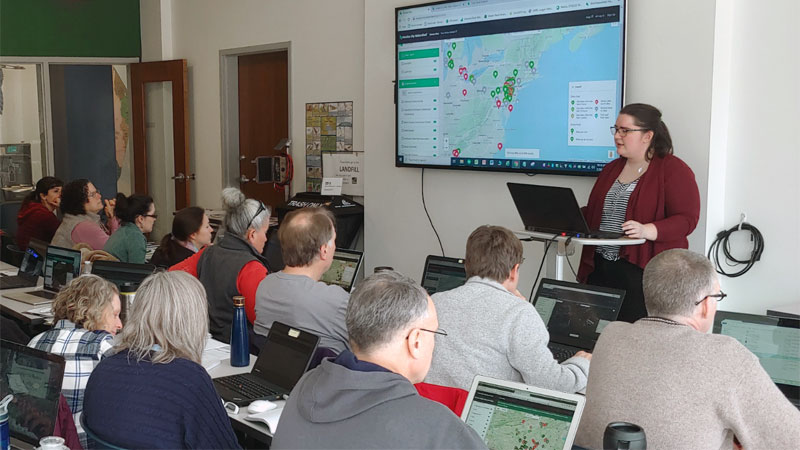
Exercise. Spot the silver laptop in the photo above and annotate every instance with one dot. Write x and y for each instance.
(512, 415)
(61, 265)
(575, 314)
(344, 269)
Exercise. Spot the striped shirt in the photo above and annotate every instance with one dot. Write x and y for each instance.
(614, 209)
(82, 349)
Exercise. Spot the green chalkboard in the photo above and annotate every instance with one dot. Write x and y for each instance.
(71, 28)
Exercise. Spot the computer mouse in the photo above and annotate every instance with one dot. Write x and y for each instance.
(260, 406)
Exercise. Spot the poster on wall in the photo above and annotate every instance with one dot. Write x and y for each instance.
(348, 167)
(329, 129)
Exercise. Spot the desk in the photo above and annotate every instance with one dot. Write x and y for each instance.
(557, 255)
(16, 309)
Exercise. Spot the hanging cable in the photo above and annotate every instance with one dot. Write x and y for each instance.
(425, 207)
(722, 242)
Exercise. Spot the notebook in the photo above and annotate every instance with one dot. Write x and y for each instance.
(552, 209)
(30, 269)
(120, 272)
(774, 340)
(343, 270)
(34, 377)
(283, 359)
(512, 415)
(61, 265)
(442, 274)
(575, 314)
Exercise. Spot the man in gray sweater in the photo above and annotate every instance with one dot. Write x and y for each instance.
(493, 330)
(687, 389)
(365, 399)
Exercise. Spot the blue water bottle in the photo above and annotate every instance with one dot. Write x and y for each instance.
(240, 346)
(5, 438)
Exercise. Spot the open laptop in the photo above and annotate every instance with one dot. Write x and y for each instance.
(774, 340)
(34, 378)
(283, 359)
(61, 265)
(343, 270)
(442, 273)
(30, 269)
(511, 415)
(575, 314)
(120, 272)
(552, 209)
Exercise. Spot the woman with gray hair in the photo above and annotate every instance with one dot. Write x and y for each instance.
(234, 266)
(153, 393)
(86, 318)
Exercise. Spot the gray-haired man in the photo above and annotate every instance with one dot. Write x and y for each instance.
(365, 398)
(686, 388)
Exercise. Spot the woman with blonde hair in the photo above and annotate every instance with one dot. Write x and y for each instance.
(86, 317)
(153, 393)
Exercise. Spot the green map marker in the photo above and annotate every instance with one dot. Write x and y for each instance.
(494, 73)
(494, 93)
(454, 45)
(530, 64)
(572, 102)
(449, 54)
(516, 72)
(450, 63)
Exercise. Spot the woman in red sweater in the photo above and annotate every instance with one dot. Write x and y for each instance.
(646, 193)
(37, 216)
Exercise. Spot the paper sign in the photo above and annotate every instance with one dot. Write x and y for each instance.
(348, 167)
(331, 186)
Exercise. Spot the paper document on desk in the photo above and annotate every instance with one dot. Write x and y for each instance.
(270, 418)
(214, 352)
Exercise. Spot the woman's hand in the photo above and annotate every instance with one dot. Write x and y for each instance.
(109, 208)
(636, 230)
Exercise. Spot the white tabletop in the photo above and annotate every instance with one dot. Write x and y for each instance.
(20, 309)
(581, 240)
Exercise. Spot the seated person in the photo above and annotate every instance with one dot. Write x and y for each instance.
(81, 204)
(86, 317)
(234, 265)
(366, 398)
(137, 214)
(684, 387)
(295, 296)
(191, 231)
(494, 331)
(153, 393)
(37, 215)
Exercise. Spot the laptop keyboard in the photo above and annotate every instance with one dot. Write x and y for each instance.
(44, 294)
(246, 386)
(561, 352)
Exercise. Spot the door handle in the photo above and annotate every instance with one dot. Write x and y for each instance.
(243, 179)
(180, 177)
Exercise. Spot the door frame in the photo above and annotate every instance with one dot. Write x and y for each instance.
(229, 103)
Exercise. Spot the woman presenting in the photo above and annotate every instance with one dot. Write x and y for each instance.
(645, 193)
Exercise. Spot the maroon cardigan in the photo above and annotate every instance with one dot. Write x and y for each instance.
(666, 196)
(34, 220)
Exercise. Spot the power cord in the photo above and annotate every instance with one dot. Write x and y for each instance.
(425, 207)
(541, 264)
(722, 242)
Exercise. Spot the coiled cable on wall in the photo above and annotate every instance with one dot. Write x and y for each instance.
(722, 243)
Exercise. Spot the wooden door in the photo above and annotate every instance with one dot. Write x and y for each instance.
(263, 118)
(157, 72)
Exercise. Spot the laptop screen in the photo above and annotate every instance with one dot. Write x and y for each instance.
(34, 377)
(511, 415)
(119, 272)
(442, 274)
(344, 269)
(575, 314)
(285, 356)
(774, 340)
(61, 265)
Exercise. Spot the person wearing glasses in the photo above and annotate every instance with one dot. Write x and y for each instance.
(686, 388)
(647, 193)
(494, 331)
(234, 265)
(81, 204)
(365, 398)
(295, 295)
(138, 215)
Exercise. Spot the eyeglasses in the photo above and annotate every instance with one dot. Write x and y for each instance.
(624, 131)
(92, 194)
(719, 297)
(154, 216)
(261, 207)
(438, 331)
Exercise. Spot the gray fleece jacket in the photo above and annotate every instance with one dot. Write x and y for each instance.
(334, 407)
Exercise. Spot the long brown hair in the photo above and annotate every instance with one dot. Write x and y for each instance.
(649, 117)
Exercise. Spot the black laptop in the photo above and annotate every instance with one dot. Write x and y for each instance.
(555, 210)
(442, 273)
(774, 340)
(120, 273)
(575, 314)
(344, 268)
(61, 265)
(283, 359)
(34, 378)
(30, 269)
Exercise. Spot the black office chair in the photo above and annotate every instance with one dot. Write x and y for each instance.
(13, 255)
(93, 442)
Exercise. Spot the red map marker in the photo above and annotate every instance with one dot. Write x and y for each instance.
(499, 145)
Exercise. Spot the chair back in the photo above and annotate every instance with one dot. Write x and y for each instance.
(93, 442)
(452, 397)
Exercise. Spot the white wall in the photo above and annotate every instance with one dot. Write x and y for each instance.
(667, 66)
(20, 119)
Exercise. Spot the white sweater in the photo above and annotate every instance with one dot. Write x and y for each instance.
(686, 389)
(492, 332)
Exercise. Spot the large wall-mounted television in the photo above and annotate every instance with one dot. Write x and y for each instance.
(526, 86)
